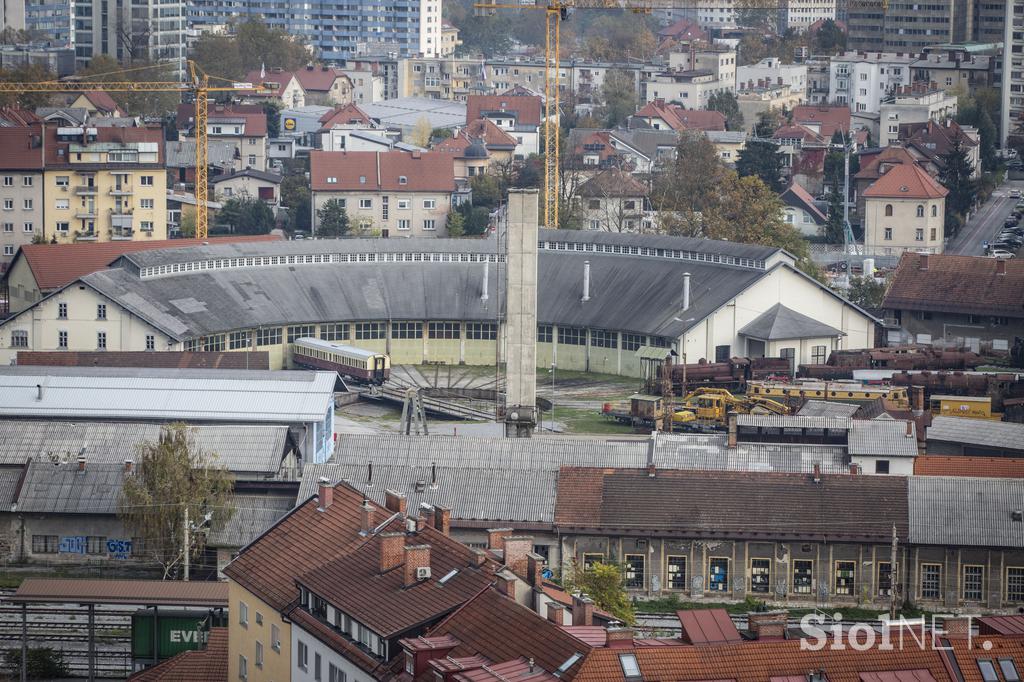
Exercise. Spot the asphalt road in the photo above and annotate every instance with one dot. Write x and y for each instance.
(986, 223)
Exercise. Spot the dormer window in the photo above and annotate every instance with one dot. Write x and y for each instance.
(402, 180)
(362, 179)
(630, 667)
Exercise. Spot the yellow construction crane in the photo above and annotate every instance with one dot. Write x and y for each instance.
(198, 84)
(557, 11)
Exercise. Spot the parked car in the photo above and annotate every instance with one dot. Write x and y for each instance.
(1015, 194)
(998, 253)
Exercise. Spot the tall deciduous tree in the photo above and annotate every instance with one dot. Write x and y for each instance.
(104, 68)
(688, 188)
(618, 97)
(332, 219)
(420, 134)
(252, 46)
(175, 478)
(605, 585)
(727, 104)
(764, 160)
(26, 73)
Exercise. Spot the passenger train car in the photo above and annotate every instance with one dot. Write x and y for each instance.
(348, 361)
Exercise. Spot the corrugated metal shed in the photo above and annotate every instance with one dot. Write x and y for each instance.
(827, 408)
(166, 395)
(882, 437)
(241, 449)
(779, 421)
(253, 515)
(976, 432)
(966, 512)
(64, 489)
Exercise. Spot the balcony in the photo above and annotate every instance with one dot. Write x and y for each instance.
(123, 191)
(85, 190)
(123, 234)
(85, 236)
(86, 214)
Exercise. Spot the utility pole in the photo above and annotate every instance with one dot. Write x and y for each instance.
(847, 230)
(893, 576)
(188, 544)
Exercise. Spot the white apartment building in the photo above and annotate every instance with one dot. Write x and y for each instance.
(913, 106)
(721, 63)
(862, 80)
(799, 14)
(771, 71)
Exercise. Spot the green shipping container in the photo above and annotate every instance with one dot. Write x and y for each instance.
(177, 631)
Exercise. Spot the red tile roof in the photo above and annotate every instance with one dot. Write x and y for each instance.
(678, 118)
(498, 628)
(519, 670)
(984, 467)
(346, 115)
(906, 181)
(169, 359)
(957, 283)
(804, 199)
(255, 118)
(355, 584)
(874, 165)
(281, 78)
(527, 110)
(57, 152)
(55, 265)
(829, 118)
(18, 117)
(969, 651)
(204, 665)
(23, 149)
(381, 171)
(798, 132)
(684, 29)
(613, 183)
(731, 504)
(102, 101)
(492, 136)
(759, 661)
(303, 540)
(318, 78)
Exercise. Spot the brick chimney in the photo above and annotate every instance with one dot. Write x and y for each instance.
(81, 463)
(582, 610)
(479, 557)
(325, 494)
(517, 548)
(917, 400)
(128, 464)
(922, 263)
(443, 520)
(854, 469)
(534, 565)
(556, 613)
(395, 502)
(416, 557)
(732, 432)
(496, 537)
(957, 628)
(365, 517)
(767, 624)
(506, 584)
(620, 638)
(392, 550)
(1000, 266)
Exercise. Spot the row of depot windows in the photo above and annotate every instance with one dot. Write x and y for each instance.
(801, 579)
(599, 338)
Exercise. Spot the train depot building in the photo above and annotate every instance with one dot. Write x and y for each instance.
(602, 297)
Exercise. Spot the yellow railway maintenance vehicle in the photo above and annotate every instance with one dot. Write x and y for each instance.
(970, 407)
(845, 392)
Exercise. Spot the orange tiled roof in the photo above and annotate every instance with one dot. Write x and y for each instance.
(958, 465)
(906, 181)
(957, 283)
(205, 665)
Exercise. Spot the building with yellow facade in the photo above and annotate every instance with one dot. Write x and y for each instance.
(104, 184)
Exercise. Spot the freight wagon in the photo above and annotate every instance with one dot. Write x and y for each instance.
(174, 631)
(348, 361)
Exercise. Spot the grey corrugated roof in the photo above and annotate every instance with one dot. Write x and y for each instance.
(711, 453)
(976, 432)
(9, 479)
(779, 323)
(253, 515)
(182, 153)
(827, 408)
(882, 437)
(166, 395)
(626, 293)
(966, 512)
(250, 173)
(778, 421)
(244, 450)
(648, 141)
(63, 489)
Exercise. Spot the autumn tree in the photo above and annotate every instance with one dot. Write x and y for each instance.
(187, 222)
(867, 292)
(26, 73)
(420, 134)
(726, 103)
(104, 69)
(618, 98)
(605, 585)
(175, 480)
(253, 45)
(687, 188)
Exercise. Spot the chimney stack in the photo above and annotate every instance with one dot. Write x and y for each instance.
(443, 520)
(957, 628)
(620, 637)
(81, 463)
(910, 429)
(496, 537)
(487, 267)
(392, 550)
(854, 469)
(417, 558)
(39, 391)
(917, 400)
(582, 610)
(365, 517)
(817, 473)
(128, 466)
(534, 566)
(732, 432)
(768, 624)
(923, 261)
(517, 550)
(1000, 266)
(586, 281)
(686, 291)
(556, 613)
(326, 494)
(652, 446)
(395, 502)
(505, 584)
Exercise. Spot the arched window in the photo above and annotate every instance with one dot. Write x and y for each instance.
(920, 211)
(888, 210)
(935, 210)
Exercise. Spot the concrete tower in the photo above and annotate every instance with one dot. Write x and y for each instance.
(521, 314)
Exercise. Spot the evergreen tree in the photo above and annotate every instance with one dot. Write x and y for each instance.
(244, 215)
(762, 159)
(727, 104)
(332, 219)
(956, 177)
